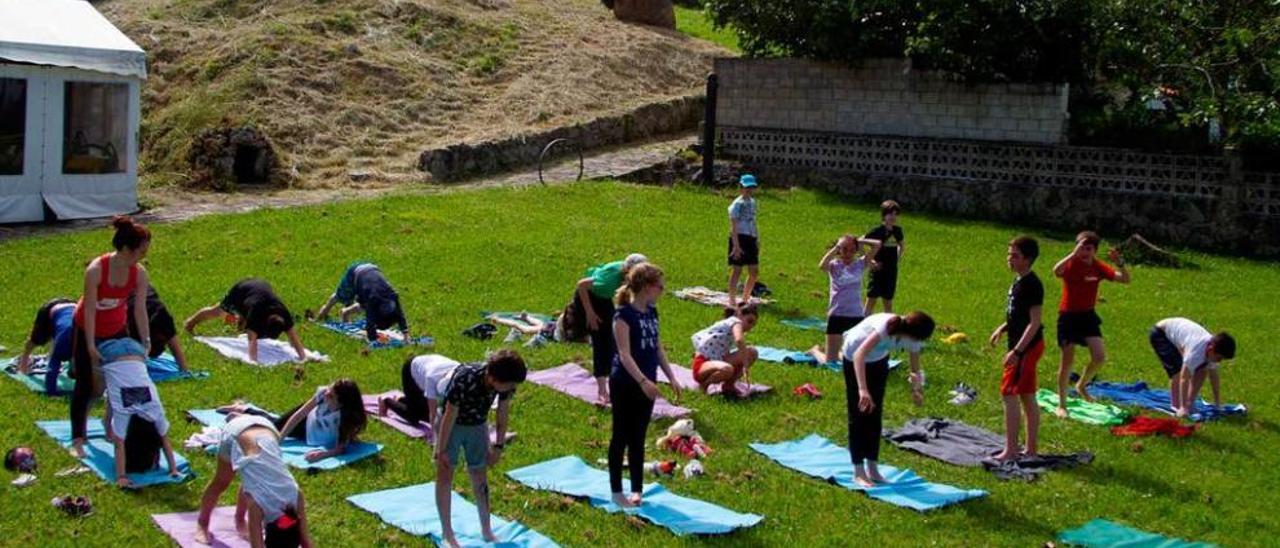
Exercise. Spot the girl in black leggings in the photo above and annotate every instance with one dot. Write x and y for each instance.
(632, 380)
(866, 370)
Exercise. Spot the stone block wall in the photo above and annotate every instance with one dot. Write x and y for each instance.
(885, 97)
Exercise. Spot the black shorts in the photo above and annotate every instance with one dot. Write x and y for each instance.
(837, 325)
(884, 282)
(1076, 327)
(1168, 353)
(750, 251)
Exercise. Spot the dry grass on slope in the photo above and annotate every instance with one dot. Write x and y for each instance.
(345, 84)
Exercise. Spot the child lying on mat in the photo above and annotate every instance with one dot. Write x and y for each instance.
(363, 287)
(331, 419)
(134, 419)
(540, 332)
(721, 354)
(423, 379)
(271, 498)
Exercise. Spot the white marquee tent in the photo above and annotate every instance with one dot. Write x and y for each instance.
(69, 112)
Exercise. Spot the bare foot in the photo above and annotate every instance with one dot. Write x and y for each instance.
(382, 406)
(1030, 454)
(634, 499)
(1083, 390)
(621, 501)
(201, 536)
(864, 481)
(77, 449)
(602, 399)
(451, 542)
(1061, 412)
(237, 407)
(1005, 456)
(875, 475)
(490, 537)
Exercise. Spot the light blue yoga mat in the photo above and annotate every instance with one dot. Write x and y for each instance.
(571, 476)
(100, 454)
(413, 510)
(811, 323)
(295, 451)
(160, 369)
(782, 355)
(1158, 400)
(1101, 533)
(355, 330)
(818, 457)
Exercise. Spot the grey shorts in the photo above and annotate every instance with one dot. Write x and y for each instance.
(231, 432)
(474, 440)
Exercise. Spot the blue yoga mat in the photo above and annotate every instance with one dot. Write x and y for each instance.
(782, 355)
(818, 457)
(100, 454)
(571, 476)
(1101, 533)
(1139, 394)
(413, 510)
(355, 330)
(295, 451)
(811, 323)
(160, 369)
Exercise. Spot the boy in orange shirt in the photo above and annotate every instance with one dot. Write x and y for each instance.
(1078, 322)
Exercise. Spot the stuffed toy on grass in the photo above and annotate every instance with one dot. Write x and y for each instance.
(683, 439)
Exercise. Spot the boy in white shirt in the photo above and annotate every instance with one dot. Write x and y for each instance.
(1189, 354)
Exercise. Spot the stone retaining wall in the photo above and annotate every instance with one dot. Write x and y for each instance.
(466, 160)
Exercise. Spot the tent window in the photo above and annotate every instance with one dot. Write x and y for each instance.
(95, 128)
(13, 125)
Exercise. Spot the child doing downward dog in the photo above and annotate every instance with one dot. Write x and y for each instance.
(332, 419)
(866, 370)
(632, 380)
(277, 516)
(720, 352)
(135, 419)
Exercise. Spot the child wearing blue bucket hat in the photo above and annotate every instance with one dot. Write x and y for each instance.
(744, 240)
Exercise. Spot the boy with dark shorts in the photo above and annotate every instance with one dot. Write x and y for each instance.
(364, 287)
(464, 428)
(1026, 346)
(884, 272)
(744, 240)
(1189, 355)
(1078, 322)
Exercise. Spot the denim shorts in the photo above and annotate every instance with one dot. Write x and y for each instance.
(471, 439)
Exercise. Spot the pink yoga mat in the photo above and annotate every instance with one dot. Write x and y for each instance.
(575, 381)
(684, 378)
(422, 430)
(181, 528)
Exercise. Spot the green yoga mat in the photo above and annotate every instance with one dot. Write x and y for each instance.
(1101, 533)
(1100, 414)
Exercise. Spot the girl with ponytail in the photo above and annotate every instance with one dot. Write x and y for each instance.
(111, 281)
(632, 380)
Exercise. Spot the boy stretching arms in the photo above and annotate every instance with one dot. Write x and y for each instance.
(1078, 322)
(744, 240)
(1189, 354)
(464, 427)
(1026, 346)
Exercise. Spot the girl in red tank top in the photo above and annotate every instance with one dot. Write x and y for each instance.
(110, 313)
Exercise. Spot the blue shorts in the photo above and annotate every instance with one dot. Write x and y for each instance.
(471, 439)
(346, 291)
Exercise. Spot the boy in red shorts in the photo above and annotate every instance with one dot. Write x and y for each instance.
(1026, 346)
(1078, 322)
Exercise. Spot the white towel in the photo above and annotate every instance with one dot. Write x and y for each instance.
(271, 352)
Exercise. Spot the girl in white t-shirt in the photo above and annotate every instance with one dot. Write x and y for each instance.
(721, 354)
(866, 371)
(134, 420)
(423, 380)
(333, 418)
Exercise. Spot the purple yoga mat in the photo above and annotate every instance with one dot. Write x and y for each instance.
(421, 430)
(575, 381)
(181, 528)
(684, 377)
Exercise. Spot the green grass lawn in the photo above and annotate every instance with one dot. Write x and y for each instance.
(453, 255)
(695, 23)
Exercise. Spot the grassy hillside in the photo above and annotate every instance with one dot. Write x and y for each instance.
(342, 84)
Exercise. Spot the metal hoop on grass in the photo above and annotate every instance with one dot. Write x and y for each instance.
(547, 150)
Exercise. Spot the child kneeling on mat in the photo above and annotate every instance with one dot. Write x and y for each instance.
(276, 511)
(422, 379)
(134, 418)
(721, 354)
(464, 427)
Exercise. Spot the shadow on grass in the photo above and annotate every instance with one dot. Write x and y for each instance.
(1104, 475)
(995, 516)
